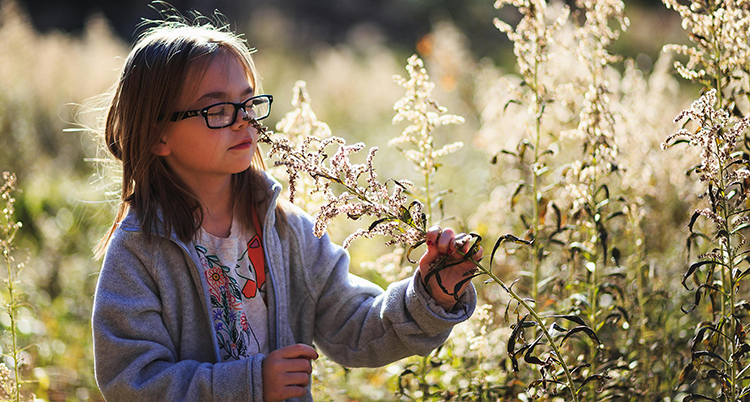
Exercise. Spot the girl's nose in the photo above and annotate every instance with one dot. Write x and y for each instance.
(245, 114)
(242, 119)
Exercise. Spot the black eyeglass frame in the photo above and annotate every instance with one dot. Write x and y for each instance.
(177, 116)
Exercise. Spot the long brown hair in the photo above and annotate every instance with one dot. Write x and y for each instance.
(152, 80)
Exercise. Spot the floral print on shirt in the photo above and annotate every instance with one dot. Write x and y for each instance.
(234, 336)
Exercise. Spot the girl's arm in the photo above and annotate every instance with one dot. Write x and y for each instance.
(359, 324)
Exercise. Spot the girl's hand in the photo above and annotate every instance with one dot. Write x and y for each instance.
(286, 372)
(441, 243)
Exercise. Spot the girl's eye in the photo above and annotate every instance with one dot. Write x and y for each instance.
(220, 110)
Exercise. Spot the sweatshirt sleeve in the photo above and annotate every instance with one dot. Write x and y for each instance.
(137, 358)
(358, 324)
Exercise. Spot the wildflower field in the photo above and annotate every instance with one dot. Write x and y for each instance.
(607, 188)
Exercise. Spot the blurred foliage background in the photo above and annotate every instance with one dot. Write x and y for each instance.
(56, 55)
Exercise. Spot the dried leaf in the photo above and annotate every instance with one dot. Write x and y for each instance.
(692, 270)
(575, 319)
(693, 218)
(528, 358)
(585, 329)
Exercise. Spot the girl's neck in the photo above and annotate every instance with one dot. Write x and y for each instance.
(218, 223)
(217, 207)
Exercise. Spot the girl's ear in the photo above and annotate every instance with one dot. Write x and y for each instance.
(161, 149)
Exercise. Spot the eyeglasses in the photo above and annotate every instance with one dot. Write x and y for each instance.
(224, 114)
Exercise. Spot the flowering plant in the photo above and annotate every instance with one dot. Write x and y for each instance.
(354, 190)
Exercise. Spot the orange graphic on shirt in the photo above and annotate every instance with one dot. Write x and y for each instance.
(258, 260)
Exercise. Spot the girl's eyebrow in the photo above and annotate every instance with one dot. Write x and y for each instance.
(221, 95)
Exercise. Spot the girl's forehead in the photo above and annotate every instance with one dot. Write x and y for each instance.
(223, 74)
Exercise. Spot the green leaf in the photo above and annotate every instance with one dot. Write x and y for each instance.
(558, 215)
(598, 377)
(501, 239)
(744, 348)
(411, 248)
(509, 102)
(698, 292)
(580, 247)
(511, 347)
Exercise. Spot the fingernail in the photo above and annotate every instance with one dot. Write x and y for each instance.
(430, 243)
(434, 227)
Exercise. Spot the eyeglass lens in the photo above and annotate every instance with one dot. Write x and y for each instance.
(226, 114)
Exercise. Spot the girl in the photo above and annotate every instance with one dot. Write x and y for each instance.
(212, 288)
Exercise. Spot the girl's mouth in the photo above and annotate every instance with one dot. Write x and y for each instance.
(243, 145)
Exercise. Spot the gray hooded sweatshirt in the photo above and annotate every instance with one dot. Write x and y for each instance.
(153, 337)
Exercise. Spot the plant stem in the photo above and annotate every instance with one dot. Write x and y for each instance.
(727, 307)
(640, 283)
(12, 308)
(428, 198)
(423, 378)
(539, 320)
(535, 178)
(8, 230)
(594, 285)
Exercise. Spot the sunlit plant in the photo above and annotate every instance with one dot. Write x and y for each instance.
(592, 183)
(532, 39)
(10, 378)
(720, 55)
(720, 346)
(719, 60)
(354, 190)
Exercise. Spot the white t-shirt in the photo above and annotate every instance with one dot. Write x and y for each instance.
(234, 269)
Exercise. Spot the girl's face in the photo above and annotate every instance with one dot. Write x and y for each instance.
(200, 155)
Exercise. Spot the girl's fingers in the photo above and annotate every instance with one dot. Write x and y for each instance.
(445, 241)
(431, 239)
(299, 350)
(463, 242)
(299, 366)
(297, 379)
(293, 391)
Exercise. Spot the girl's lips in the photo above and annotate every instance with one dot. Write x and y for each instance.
(243, 145)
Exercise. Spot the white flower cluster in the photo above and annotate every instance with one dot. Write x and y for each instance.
(302, 122)
(297, 125)
(533, 33)
(393, 218)
(8, 227)
(596, 124)
(719, 30)
(425, 115)
(716, 143)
